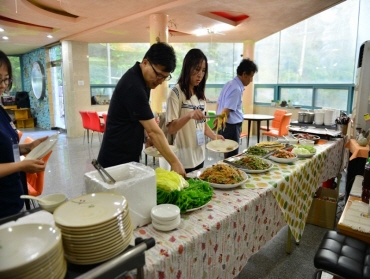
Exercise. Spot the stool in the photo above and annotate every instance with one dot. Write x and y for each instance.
(342, 256)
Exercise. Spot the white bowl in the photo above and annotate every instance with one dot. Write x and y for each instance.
(165, 212)
(166, 228)
(166, 223)
(58, 200)
(307, 142)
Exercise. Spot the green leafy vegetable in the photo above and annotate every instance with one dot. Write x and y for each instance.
(197, 194)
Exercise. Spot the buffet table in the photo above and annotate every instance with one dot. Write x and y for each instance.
(217, 240)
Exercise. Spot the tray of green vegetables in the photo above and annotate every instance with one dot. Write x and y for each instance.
(188, 195)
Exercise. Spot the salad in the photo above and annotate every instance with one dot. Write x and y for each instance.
(303, 149)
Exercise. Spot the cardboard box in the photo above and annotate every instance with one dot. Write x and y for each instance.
(323, 208)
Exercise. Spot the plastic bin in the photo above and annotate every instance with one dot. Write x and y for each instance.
(136, 182)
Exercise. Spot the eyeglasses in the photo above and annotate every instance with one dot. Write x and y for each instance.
(160, 76)
(6, 81)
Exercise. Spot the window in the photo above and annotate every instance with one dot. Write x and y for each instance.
(108, 62)
(315, 59)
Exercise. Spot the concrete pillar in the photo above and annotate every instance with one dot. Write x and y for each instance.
(76, 84)
(248, 52)
(158, 32)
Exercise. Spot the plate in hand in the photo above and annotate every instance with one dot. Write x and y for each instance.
(152, 151)
(223, 146)
(43, 148)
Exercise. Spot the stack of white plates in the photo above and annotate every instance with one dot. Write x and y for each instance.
(165, 217)
(31, 251)
(95, 227)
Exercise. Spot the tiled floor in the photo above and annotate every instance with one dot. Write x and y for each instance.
(71, 159)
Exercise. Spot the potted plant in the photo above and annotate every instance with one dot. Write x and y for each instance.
(277, 103)
(283, 103)
(289, 103)
(273, 103)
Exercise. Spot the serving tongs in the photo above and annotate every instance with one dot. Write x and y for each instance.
(102, 171)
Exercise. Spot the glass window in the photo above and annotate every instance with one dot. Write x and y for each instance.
(298, 96)
(17, 75)
(223, 59)
(333, 98)
(321, 48)
(266, 56)
(264, 95)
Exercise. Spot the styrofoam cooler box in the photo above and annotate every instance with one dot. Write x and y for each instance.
(136, 182)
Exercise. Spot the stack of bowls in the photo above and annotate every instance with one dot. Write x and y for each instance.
(31, 251)
(165, 217)
(95, 227)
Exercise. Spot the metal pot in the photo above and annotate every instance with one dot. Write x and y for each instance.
(306, 117)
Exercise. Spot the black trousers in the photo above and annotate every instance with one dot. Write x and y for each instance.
(196, 168)
(232, 132)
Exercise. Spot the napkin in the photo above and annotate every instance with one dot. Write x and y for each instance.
(40, 217)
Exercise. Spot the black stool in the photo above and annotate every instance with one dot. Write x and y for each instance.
(343, 256)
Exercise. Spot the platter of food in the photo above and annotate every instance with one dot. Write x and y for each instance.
(223, 146)
(304, 151)
(223, 176)
(250, 163)
(256, 150)
(189, 194)
(284, 157)
(306, 136)
(196, 208)
(271, 145)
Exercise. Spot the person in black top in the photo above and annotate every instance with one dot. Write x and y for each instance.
(11, 187)
(130, 117)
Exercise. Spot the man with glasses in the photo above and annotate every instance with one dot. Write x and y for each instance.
(130, 116)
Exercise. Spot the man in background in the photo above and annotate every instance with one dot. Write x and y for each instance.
(230, 102)
(130, 117)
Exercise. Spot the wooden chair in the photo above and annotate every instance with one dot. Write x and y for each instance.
(283, 130)
(35, 181)
(86, 124)
(275, 123)
(95, 124)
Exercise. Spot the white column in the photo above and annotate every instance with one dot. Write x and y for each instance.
(248, 52)
(158, 32)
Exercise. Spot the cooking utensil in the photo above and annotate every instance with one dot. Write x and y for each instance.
(234, 165)
(46, 202)
(101, 170)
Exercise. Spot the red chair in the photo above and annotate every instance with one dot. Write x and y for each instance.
(105, 116)
(283, 130)
(86, 124)
(95, 124)
(35, 181)
(275, 124)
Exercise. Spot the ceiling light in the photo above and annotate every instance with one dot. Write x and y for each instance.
(49, 36)
(1, 29)
(5, 38)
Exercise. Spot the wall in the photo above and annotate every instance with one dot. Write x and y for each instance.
(39, 108)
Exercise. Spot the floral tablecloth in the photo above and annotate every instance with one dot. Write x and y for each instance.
(217, 240)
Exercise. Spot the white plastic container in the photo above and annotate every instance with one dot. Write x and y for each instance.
(136, 182)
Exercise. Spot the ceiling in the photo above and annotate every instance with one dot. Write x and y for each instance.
(28, 22)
